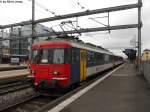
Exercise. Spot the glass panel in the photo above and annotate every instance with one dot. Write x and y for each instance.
(50, 56)
(107, 59)
(44, 56)
(34, 56)
(67, 56)
(58, 56)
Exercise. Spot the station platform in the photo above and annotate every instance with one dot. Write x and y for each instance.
(122, 91)
(8, 65)
(5, 67)
(13, 74)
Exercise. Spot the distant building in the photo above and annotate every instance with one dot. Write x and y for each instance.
(5, 55)
(146, 55)
(20, 47)
(3, 44)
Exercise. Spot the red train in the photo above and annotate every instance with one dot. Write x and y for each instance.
(63, 63)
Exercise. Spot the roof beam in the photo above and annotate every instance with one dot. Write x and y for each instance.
(79, 14)
(118, 27)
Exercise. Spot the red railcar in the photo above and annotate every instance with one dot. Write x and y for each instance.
(62, 63)
(49, 65)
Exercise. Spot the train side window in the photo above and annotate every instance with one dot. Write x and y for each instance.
(93, 57)
(88, 56)
(75, 57)
(100, 58)
(111, 59)
(107, 58)
(67, 56)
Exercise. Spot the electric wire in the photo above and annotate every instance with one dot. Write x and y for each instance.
(43, 7)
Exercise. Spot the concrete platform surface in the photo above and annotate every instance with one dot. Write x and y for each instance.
(8, 65)
(123, 91)
(13, 73)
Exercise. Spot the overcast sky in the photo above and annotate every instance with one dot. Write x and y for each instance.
(17, 12)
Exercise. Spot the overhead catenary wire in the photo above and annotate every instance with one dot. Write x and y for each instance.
(71, 25)
(43, 7)
(37, 10)
(81, 5)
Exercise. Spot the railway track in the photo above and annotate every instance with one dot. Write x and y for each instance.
(39, 103)
(15, 92)
(16, 98)
(7, 88)
(31, 104)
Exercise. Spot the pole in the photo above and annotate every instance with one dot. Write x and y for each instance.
(108, 21)
(33, 28)
(139, 37)
(19, 46)
(11, 45)
(1, 46)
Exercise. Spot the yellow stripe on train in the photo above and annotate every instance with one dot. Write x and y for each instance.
(82, 65)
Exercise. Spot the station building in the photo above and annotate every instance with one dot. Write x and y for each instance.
(146, 55)
(21, 47)
(4, 47)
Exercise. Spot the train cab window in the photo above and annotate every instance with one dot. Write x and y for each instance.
(44, 56)
(58, 56)
(34, 56)
(50, 56)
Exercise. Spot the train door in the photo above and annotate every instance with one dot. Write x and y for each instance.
(82, 65)
(75, 66)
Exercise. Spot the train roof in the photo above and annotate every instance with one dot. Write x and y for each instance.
(70, 43)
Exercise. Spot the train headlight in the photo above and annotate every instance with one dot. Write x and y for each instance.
(32, 71)
(55, 72)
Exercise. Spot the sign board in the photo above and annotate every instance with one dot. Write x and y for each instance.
(14, 60)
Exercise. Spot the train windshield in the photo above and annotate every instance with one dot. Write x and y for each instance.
(58, 56)
(49, 56)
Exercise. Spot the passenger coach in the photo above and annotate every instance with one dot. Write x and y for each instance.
(62, 63)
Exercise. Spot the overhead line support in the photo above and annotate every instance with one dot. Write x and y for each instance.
(81, 31)
(78, 14)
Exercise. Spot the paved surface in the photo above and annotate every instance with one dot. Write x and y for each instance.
(8, 65)
(123, 91)
(13, 73)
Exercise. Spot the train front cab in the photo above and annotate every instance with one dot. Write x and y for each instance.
(51, 67)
